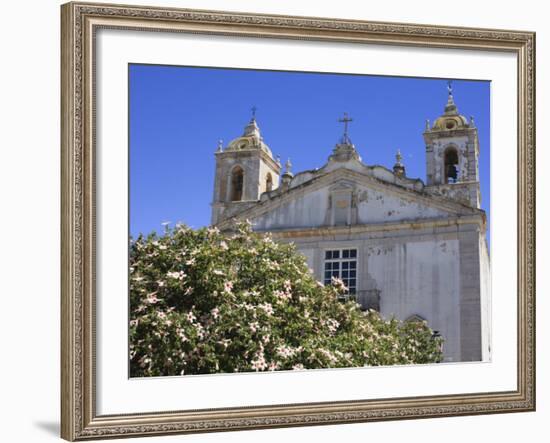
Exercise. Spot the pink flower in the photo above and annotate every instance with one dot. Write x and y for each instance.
(259, 363)
(152, 298)
(338, 283)
(228, 287)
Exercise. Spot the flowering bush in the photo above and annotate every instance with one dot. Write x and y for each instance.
(205, 302)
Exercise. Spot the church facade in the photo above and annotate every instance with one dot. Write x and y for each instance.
(405, 247)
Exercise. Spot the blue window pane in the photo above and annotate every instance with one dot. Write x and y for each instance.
(353, 264)
(353, 253)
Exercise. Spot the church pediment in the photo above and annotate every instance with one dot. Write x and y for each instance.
(346, 197)
(342, 185)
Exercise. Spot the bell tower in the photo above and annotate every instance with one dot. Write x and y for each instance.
(245, 169)
(452, 155)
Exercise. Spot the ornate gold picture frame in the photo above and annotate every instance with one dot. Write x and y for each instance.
(80, 23)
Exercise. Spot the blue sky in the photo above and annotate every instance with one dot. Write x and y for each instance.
(177, 115)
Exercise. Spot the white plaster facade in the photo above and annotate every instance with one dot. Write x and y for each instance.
(420, 249)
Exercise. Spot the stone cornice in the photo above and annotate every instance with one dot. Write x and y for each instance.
(418, 224)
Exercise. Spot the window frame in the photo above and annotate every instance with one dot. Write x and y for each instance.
(341, 260)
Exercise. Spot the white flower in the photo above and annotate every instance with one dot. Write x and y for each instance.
(217, 272)
(282, 295)
(287, 285)
(191, 317)
(176, 275)
(254, 326)
(225, 342)
(181, 334)
(224, 246)
(298, 367)
(332, 325)
(267, 307)
(215, 313)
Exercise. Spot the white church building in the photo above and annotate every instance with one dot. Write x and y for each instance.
(408, 248)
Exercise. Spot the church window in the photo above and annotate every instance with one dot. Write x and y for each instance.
(341, 263)
(451, 165)
(237, 180)
(269, 183)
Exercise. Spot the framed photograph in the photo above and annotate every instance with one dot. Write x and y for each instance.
(277, 221)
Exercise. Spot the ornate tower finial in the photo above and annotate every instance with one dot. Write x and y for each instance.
(220, 145)
(399, 167)
(450, 107)
(254, 109)
(288, 167)
(287, 176)
(398, 157)
(472, 122)
(345, 120)
(427, 124)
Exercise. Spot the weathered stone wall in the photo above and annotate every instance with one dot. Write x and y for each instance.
(428, 271)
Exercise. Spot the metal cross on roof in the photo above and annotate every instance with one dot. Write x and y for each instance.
(254, 109)
(345, 121)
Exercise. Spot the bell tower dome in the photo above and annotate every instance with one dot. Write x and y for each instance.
(452, 155)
